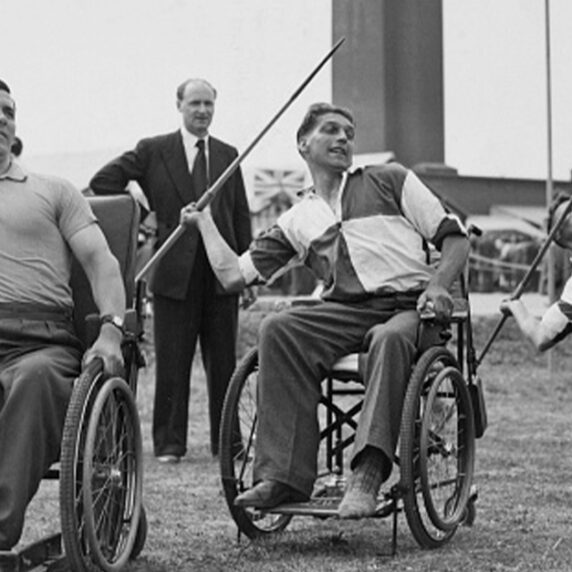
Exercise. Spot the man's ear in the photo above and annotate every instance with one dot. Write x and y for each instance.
(178, 103)
(303, 146)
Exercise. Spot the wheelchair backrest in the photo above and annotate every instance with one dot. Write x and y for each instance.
(118, 217)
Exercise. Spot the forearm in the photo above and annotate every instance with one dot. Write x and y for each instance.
(107, 286)
(529, 325)
(454, 255)
(223, 260)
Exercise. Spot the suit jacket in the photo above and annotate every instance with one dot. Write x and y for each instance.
(159, 166)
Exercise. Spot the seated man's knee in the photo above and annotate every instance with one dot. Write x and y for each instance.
(274, 325)
(36, 378)
(388, 335)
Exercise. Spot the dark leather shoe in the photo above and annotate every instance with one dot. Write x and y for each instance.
(268, 494)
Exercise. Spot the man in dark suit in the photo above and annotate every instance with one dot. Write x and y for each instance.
(189, 303)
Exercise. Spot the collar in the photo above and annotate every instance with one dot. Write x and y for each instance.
(345, 175)
(15, 172)
(190, 140)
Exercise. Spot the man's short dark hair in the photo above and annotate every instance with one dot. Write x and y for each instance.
(198, 81)
(4, 86)
(315, 111)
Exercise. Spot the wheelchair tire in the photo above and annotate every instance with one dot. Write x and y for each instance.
(436, 439)
(112, 476)
(71, 461)
(141, 535)
(447, 434)
(237, 444)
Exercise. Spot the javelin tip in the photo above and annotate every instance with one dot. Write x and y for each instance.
(339, 43)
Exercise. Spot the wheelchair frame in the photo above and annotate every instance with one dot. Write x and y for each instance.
(103, 522)
(443, 414)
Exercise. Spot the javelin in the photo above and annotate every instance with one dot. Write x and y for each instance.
(520, 288)
(209, 194)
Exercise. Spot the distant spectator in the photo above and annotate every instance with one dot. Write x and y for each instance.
(560, 255)
(556, 322)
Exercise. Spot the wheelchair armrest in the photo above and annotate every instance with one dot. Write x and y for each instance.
(132, 325)
(460, 311)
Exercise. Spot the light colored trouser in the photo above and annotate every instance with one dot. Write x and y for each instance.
(297, 349)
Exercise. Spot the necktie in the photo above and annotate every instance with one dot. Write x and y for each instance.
(199, 174)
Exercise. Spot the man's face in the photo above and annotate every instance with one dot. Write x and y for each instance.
(197, 108)
(7, 123)
(330, 143)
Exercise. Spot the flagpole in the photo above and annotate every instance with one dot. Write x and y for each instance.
(551, 287)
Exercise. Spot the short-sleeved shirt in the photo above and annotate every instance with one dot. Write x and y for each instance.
(38, 217)
(373, 243)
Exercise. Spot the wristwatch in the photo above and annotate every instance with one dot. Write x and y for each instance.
(114, 321)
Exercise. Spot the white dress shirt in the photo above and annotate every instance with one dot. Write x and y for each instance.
(191, 150)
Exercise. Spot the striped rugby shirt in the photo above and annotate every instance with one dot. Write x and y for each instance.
(557, 320)
(374, 243)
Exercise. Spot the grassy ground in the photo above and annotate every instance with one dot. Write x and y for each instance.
(524, 509)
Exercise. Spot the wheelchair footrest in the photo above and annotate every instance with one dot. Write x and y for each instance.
(327, 507)
(43, 555)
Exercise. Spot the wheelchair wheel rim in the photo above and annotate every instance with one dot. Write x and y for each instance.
(112, 484)
(237, 462)
(446, 453)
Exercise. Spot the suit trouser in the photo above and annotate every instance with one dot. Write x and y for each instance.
(211, 318)
(298, 348)
(38, 362)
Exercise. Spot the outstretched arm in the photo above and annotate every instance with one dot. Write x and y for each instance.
(542, 333)
(223, 260)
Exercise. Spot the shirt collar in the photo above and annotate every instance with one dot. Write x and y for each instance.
(15, 172)
(190, 140)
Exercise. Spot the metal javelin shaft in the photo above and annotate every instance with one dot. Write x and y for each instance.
(520, 288)
(209, 194)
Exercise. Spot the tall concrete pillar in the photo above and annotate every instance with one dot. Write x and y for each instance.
(390, 73)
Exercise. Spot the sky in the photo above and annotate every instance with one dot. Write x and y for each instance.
(101, 74)
(91, 78)
(496, 87)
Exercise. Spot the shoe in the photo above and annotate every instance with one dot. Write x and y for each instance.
(9, 561)
(168, 459)
(268, 494)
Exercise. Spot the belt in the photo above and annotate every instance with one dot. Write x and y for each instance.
(32, 312)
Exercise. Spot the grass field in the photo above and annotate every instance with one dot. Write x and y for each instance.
(523, 473)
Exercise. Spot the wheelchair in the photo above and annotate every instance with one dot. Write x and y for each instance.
(103, 522)
(443, 414)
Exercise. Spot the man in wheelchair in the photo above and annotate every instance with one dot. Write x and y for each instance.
(556, 322)
(43, 221)
(364, 233)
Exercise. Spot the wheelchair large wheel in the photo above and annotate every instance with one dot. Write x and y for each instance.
(112, 476)
(437, 448)
(71, 462)
(237, 447)
(101, 468)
